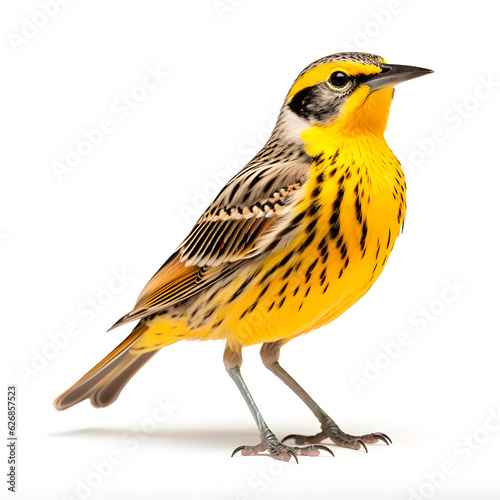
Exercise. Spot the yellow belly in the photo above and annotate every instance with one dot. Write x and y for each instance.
(329, 270)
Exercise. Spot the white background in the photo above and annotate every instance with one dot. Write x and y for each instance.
(131, 200)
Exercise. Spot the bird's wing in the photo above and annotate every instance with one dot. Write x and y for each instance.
(238, 225)
(230, 233)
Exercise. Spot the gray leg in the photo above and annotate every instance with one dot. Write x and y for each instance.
(269, 443)
(329, 429)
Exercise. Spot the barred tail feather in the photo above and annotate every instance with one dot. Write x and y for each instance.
(103, 383)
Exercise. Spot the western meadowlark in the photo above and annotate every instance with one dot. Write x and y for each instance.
(292, 241)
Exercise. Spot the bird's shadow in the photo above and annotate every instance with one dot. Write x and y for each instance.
(208, 437)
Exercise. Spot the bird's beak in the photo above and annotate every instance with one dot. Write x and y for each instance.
(392, 74)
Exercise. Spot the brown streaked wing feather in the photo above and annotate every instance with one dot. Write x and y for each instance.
(173, 283)
(230, 233)
(232, 225)
(238, 225)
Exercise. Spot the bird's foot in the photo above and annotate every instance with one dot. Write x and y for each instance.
(340, 438)
(280, 451)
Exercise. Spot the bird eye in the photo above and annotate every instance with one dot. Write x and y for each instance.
(338, 79)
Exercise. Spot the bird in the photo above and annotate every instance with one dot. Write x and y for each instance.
(293, 240)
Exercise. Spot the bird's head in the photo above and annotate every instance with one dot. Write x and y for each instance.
(347, 93)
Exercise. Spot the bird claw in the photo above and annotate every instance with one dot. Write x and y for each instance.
(340, 438)
(291, 436)
(323, 447)
(383, 437)
(280, 451)
(242, 447)
(292, 453)
(362, 444)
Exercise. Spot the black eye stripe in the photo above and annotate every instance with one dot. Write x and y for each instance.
(360, 79)
(339, 78)
(314, 103)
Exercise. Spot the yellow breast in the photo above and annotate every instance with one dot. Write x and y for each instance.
(350, 214)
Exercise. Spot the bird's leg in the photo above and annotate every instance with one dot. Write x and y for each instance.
(269, 443)
(329, 429)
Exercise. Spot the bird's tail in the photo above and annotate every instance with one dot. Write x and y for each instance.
(103, 384)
